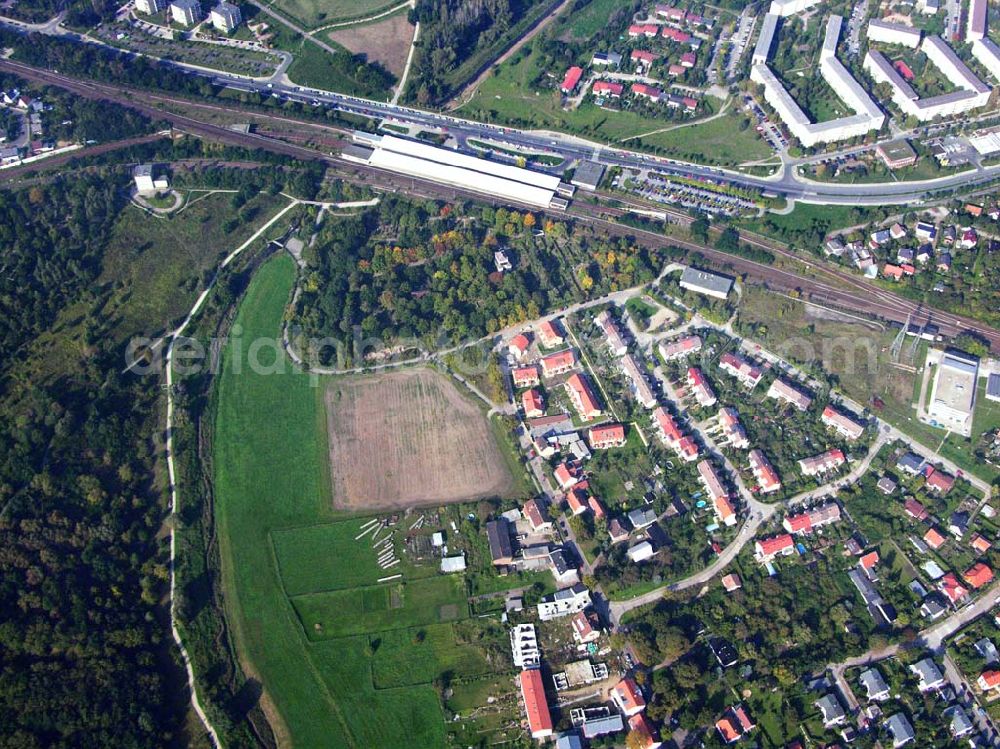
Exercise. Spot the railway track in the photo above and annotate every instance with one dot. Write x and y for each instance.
(853, 294)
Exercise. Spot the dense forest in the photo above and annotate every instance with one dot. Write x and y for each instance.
(454, 32)
(405, 270)
(82, 661)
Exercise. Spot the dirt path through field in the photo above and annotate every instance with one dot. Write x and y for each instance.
(407, 438)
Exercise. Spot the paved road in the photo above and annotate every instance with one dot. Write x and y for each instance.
(571, 147)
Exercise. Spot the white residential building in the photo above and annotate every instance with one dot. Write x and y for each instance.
(564, 602)
(785, 8)
(894, 33)
(186, 12)
(524, 646)
(988, 54)
(150, 6)
(867, 115)
(226, 17)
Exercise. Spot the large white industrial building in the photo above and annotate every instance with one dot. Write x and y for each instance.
(894, 33)
(785, 8)
(458, 169)
(988, 54)
(867, 115)
(972, 93)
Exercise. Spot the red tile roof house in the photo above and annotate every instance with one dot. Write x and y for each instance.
(525, 376)
(535, 705)
(596, 507)
(628, 697)
(550, 334)
(559, 362)
(702, 391)
(571, 80)
(763, 471)
(676, 35)
(643, 57)
(585, 627)
(939, 481)
(806, 522)
(952, 588)
(534, 406)
(582, 397)
(831, 460)
(607, 88)
(989, 680)
(747, 374)
(578, 500)
(892, 271)
(914, 509)
(673, 437)
(732, 430)
(647, 92)
(606, 436)
(643, 734)
(979, 543)
(735, 724)
(676, 70)
(978, 575)
(842, 424)
(934, 539)
(768, 548)
(518, 345)
(731, 582)
(868, 561)
(537, 516)
(688, 59)
(567, 475)
(643, 29)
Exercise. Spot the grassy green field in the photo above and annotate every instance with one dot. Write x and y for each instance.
(587, 22)
(161, 258)
(271, 474)
(325, 557)
(377, 608)
(509, 96)
(314, 13)
(420, 655)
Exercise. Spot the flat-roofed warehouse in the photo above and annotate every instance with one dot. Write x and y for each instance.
(953, 395)
(712, 284)
(450, 167)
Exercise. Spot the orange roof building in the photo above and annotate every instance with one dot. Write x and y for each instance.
(978, 575)
(567, 475)
(952, 588)
(980, 544)
(525, 376)
(559, 362)
(989, 680)
(582, 397)
(606, 435)
(768, 548)
(577, 500)
(628, 697)
(644, 733)
(934, 539)
(534, 406)
(518, 345)
(535, 705)
(550, 334)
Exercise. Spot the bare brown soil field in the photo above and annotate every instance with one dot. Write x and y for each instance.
(409, 438)
(386, 41)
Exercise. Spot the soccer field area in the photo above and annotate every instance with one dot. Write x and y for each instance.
(290, 562)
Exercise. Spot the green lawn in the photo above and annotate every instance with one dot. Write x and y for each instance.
(271, 474)
(594, 16)
(377, 608)
(420, 655)
(314, 13)
(509, 96)
(325, 557)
